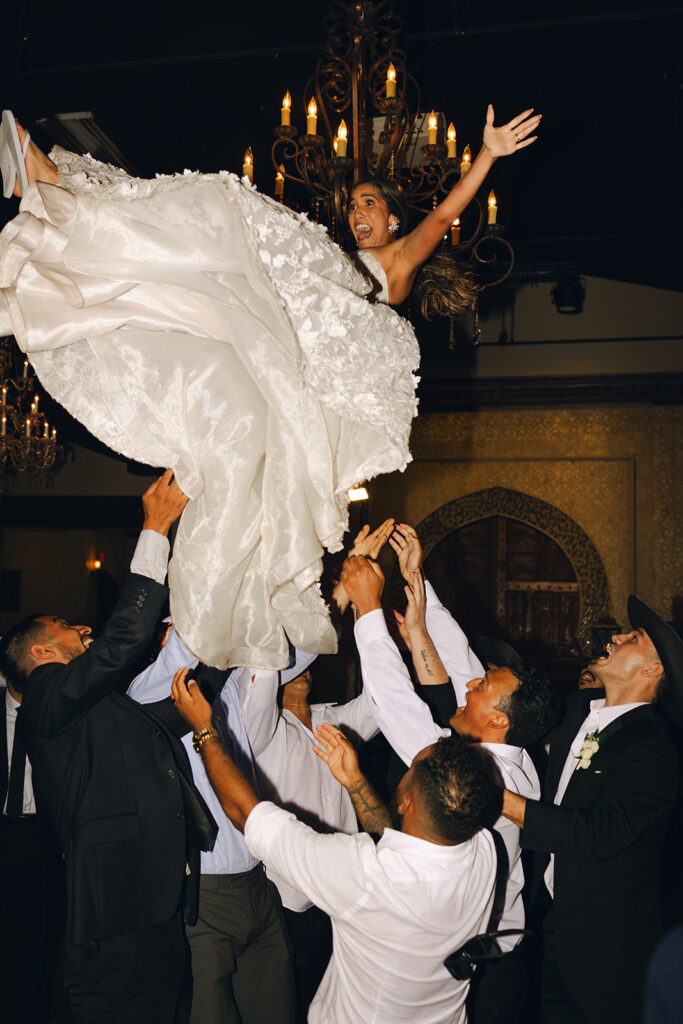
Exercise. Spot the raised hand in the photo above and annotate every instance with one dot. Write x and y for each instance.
(508, 138)
(414, 618)
(163, 503)
(190, 701)
(363, 581)
(370, 544)
(406, 544)
(335, 750)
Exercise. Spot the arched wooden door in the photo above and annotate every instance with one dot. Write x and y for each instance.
(505, 577)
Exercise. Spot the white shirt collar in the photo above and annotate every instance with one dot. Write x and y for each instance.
(506, 750)
(12, 704)
(609, 714)
(401, 842)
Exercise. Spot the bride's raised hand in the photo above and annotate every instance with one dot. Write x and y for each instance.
(510, 137)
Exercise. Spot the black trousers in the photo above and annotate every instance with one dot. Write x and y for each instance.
(28, 871)
(565, 1005)
(135, 978)
(311, 932)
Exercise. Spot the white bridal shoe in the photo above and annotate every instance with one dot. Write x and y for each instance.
(12, 155)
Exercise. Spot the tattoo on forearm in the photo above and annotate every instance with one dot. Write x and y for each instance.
(425, 662)
(371, 812)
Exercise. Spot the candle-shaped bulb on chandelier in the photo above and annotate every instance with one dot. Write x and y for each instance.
(493, 207)
(248, 165)
(451, 141)
(312, 118)
(342, 138)
(466, 162)
(280, 182)
(391, 82)
(455, 232)
(286, 111)
(432, 125)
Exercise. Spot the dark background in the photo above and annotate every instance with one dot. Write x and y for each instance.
(180, 85)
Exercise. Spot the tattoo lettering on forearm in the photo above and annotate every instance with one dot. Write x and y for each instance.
(425, 662)
(371, 812)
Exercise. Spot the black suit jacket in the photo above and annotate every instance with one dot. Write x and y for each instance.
(607, 837)
(114, 780)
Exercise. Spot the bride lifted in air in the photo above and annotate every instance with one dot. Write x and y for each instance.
(189, 321)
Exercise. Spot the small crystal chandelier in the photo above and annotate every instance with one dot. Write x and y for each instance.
(26, 440)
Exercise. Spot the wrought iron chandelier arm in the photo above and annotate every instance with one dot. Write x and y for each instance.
(493, 242)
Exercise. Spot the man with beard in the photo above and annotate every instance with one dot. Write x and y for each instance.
(612, 779)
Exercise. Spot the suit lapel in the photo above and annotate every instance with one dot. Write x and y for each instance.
(625, 721)
(576, 712)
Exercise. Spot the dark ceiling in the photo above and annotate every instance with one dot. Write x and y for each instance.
(180, 85)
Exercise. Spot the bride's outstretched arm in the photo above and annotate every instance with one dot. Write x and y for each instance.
(420, 243)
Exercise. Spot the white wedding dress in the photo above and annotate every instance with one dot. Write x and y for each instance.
(191, 322)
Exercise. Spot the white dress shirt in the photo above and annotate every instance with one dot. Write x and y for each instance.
(230, 854)
(289, 772)
(452, 645)
(597, 719)
(407, 723)
(398, 910)
(11, 708)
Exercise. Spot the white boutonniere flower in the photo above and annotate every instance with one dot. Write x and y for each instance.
(590, 746)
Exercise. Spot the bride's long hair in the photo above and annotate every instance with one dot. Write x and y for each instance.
(444, 285)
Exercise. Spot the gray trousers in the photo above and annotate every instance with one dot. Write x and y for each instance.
(241, 953)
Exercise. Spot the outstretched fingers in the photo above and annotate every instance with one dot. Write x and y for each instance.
(328, 737)
(520, 118)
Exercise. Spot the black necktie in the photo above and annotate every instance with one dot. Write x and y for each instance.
(15, 789)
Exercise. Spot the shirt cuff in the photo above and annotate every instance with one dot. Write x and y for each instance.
(371, 626)
(151, 556)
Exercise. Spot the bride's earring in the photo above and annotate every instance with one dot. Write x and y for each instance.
(393, 227)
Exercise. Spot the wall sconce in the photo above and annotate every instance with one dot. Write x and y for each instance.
(93, 564)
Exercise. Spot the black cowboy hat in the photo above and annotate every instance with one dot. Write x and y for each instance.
(492, 651)
(667, 638)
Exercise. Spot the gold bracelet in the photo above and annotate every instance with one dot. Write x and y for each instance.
(200, 737)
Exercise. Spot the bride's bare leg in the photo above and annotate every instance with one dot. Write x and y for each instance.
(39, 167)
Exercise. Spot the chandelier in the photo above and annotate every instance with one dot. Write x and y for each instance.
(364, 118)
(26, 440)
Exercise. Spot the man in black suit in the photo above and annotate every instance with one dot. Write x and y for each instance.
(117, 787)
(612, 779)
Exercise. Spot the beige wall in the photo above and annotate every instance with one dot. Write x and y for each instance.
(575, 344)
(616, 472)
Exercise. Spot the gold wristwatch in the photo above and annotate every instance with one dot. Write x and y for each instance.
(199, 737)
